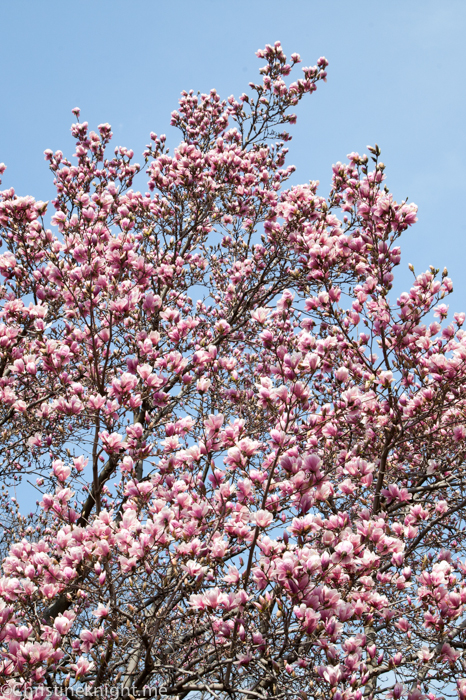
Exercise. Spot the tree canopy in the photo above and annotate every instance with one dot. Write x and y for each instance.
(248, 454)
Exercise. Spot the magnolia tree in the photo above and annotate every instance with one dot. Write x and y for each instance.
(250, 457)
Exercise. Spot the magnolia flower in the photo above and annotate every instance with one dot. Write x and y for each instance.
(82, 667)
(263, 518)
(112, 442)
(62, 624)
(101, 611)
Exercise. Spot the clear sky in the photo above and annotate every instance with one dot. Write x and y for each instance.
(396, 77)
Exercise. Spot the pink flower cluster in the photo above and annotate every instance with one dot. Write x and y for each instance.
(249, 454)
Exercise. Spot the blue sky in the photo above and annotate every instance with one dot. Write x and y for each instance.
(396, 77)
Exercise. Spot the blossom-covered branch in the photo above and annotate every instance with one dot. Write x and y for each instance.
(250, 455)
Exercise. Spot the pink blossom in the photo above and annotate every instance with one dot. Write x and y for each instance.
(82, 667)
(62, 624)
(263, 518)
(101, 611)
(203, 385)
(112, 442)
(60, 470)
